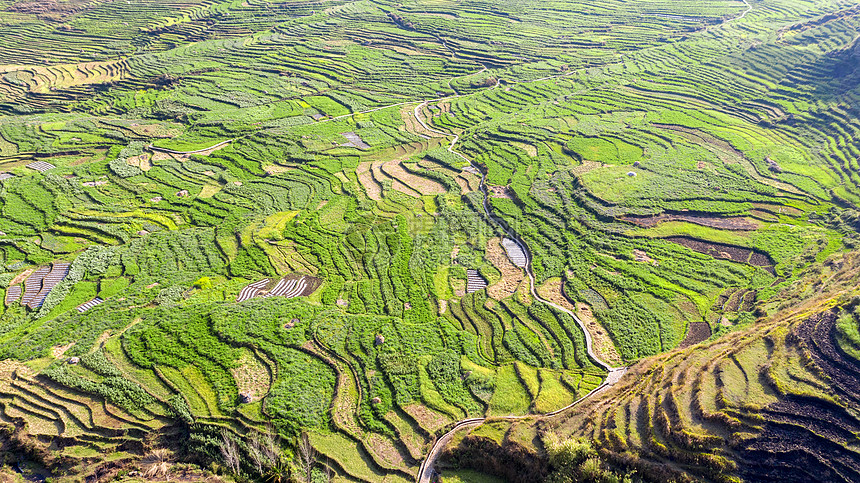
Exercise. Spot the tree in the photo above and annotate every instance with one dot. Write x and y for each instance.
(264, 449)
(307, 457)
(230, 451)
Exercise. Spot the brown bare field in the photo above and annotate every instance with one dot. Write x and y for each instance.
(443, 306)
(642, 257)
(499, 192)
(735, 223)
(276, 168)
(21, 277)
(698, 332)
(102, 338)
(371, 174)
(412, 125)
(252, 376)
(141, 161)
(468, 182)
(603, 345)
(8, 368)
(396, 184)
(425, 186)
(528, 148)
(365, 177)
(512, 275)
(164, 130)
(159, 156)
(585, 167)
(384, 449)
(778, 209)
(59, 350)
(426, 417)
(552, 291)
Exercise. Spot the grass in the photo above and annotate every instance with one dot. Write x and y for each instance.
(195, 401)
(81, 292)
(196, 380)
(612, 183)
(434, 399)
(553, 394)
(114, 353)
(275, 224)
(468, 476)
(681, 228)
(347, 454)
(492, 430)
(556, 103)
(510, 397)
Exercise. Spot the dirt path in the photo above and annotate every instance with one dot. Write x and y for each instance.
(209, 149)
(749, 7)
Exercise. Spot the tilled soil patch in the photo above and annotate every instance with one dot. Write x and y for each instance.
(698, 332)
(734, 223)
(727, 252)
(810, 438)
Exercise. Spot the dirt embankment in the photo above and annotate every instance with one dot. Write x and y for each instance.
(512, 276)
(809, 439)
(509, 460)
(553, 291)
(727, 252)
(734, 223)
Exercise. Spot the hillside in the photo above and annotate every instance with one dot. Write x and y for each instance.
(273, 240)
(775, 401)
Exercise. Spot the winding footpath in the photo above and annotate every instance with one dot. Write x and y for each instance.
(427, 468)
(614, 374)
(171, 151)
(749, 7)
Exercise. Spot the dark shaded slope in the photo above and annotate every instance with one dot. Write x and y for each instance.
(775, 402)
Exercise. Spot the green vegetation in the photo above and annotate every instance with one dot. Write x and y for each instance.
(667, 165)
(754, 382)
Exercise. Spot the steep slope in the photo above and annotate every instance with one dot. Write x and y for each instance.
(777, 401)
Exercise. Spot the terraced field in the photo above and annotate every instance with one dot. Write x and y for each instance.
(774, 402)
(305, 239)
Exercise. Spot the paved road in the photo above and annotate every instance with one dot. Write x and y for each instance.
(749, 7)
(426, 470)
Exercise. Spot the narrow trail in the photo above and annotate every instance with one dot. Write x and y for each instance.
(749, 7)
(171, 151)
(614, 373)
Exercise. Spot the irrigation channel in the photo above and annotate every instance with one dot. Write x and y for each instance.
(427, 469)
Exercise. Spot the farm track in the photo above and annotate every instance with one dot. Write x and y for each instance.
(614, 373)
(466, 119)
(171, 151)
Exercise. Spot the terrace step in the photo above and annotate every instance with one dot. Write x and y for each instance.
(474, 281)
